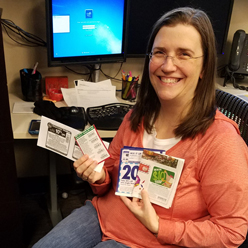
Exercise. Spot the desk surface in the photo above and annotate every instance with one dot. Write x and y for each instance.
(229, 86)
(21, 122)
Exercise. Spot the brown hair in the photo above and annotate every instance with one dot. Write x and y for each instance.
(202, 112)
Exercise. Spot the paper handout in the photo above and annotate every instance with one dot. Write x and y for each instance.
(59, 138)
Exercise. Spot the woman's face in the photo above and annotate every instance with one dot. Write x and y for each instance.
(175, 79)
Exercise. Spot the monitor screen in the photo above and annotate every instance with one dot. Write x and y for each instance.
(144, 13)
(84, 31)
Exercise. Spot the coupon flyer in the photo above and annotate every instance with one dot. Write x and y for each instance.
(128, 169)
(152, 170)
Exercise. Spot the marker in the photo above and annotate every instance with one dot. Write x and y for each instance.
(136, 79)
(123, 75)
(131, 90)
(35, 67)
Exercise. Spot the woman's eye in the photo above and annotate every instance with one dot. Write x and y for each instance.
(159, 53)
(184, 56)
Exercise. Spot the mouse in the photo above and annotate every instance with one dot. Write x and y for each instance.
(74, 110)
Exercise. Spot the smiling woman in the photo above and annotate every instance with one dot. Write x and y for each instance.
(178, 35)
(176, 79)
(175, 112)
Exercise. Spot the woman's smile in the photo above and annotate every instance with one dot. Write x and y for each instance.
(169, 80)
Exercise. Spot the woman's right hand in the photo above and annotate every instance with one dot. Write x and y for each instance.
(84, 168)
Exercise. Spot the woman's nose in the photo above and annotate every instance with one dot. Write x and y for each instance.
(168, 64)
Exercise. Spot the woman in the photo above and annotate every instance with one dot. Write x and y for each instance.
(175, 111)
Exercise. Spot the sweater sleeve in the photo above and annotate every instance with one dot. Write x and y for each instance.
(223, 175)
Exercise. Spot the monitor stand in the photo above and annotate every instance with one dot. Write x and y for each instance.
(96, 73)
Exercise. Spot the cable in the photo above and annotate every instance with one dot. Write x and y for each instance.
(27, 39)
(109, 77)
(233, 80)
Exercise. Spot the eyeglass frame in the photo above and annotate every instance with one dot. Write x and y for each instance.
(173, 57)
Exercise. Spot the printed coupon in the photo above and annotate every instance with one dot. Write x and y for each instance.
(90, 143)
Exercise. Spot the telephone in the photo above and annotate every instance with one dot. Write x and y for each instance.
(238, 64)
(239, 53)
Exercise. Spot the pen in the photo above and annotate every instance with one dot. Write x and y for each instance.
(123, 75)
(35, 67)
(136, 79)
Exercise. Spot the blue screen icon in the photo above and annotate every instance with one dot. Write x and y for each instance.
(89, 13)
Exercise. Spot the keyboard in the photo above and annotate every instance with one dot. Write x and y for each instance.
(109, 116)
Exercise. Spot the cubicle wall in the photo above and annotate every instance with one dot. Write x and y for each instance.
(10, 227)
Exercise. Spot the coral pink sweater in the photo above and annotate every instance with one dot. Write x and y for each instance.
(210, 208)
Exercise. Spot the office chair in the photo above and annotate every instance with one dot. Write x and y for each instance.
(234, 108)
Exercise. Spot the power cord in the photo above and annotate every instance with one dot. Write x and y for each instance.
(27, 39)
(230, 76)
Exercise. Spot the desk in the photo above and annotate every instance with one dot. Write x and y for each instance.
(20, 125)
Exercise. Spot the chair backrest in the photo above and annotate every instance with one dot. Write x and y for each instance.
(234, 108)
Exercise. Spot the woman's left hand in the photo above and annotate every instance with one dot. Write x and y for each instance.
(143, 211)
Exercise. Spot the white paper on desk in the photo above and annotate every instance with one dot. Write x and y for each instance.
(95, 95)
(87, 83)
(89, 94)
(70, 97)
(59, 138)
(23, 107)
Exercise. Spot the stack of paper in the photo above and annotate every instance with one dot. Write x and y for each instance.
(89, 94)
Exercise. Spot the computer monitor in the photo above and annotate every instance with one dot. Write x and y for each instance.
(144, 13)
(86, 31)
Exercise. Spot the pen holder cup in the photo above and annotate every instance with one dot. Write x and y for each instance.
(31, 85)
(129, 90)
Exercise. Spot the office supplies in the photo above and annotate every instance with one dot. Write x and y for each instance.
(123, 75)
(107, 117)
(129, 87)
(31, 85)
(23, 107)
(35, 68)
(54, 85)
(74, 117)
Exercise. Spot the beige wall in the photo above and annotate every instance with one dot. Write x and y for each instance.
(30, 16)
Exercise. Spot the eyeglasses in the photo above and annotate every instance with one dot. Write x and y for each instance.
(159, 58)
